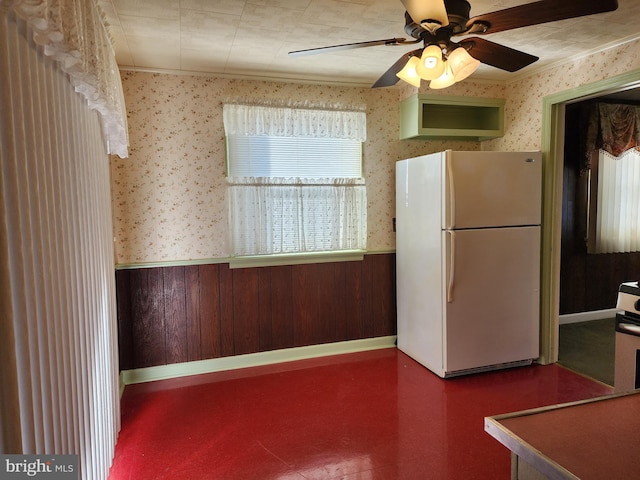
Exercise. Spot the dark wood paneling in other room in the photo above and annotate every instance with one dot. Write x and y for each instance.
(185, 313)
(588, 282)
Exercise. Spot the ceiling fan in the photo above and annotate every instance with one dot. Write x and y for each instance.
(436, 22)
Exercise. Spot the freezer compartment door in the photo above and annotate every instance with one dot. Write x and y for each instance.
(492, 189)
(492, 303)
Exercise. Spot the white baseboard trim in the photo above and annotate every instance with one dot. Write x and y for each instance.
(587, 316)
(163, 372)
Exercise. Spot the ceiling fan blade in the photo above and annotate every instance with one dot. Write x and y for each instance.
(422, 10)
(538, 12)
(389, 77)
(497, 55)
(348, 46)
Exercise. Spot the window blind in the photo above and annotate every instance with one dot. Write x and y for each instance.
(303, 157)
(60, 391)
(618, 203)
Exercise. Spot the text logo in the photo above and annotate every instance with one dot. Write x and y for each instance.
(50, 467)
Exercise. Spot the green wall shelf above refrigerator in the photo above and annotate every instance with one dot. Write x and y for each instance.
(424, 116)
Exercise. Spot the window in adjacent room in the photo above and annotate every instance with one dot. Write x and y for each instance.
(295, 181)
(615, 203)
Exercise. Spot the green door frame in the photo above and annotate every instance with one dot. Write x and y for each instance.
(552, 146)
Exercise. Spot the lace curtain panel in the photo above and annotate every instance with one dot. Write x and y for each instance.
(280, 216)
(74, 34)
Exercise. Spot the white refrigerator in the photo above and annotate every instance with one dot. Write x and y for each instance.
(468, 259)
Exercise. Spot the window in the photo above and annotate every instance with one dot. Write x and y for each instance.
(295, 180)
(615, 202)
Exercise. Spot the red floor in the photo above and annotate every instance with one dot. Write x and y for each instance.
(371, 415)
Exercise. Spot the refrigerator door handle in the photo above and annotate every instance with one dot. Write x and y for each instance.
(452, 195)
(452, 265)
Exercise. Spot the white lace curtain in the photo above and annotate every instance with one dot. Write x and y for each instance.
(294, 122)
(280, 216)
(275, 215)
(73, 32)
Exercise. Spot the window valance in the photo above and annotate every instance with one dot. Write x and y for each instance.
(614, 128)
(261, 120)
(74, 34)
(294, 181)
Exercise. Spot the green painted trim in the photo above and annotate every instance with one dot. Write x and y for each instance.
(614, 84)
(171, 263)
(295, 259)
(121, 384)
(380, 252)
(163, 372)
(317, 258)
(551, 142)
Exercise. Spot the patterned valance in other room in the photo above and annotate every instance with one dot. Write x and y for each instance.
(612, 127)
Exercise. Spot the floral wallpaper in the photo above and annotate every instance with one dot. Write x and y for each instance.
(523, 111)
(169, 195)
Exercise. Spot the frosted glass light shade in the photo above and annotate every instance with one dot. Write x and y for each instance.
(445, 80)
(462, 64)
(409, 74)
(430, 65)
(421, 11)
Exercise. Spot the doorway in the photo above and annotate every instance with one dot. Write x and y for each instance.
(553, 144)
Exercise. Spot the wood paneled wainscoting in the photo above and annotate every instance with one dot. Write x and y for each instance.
(178, 314)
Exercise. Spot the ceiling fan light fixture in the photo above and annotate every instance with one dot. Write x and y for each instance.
(462, 64)
(431, 65)
(445, 80)
(409, 74)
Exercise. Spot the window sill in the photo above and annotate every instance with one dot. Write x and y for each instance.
(296, 258)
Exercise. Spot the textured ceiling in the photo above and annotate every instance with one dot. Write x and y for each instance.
(251, 38)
